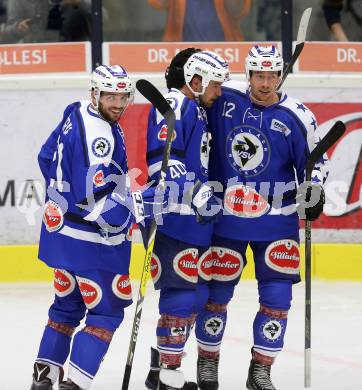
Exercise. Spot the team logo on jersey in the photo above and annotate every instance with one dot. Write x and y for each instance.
(283, 256)
(101, 147)
(98, 179)
(185, 264)
(248, 150)
(213, 326)
(121, 287)
(227, 264)
(162, 134)
(53, 216)
(280, 126)
(204, 152)
(155, 268)
(205, 265)
(64, 283)
(90, 291)
(271, 330)
(245, 202)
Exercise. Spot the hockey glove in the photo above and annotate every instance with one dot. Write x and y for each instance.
(149, 204)
(205, 205)
(310, 201)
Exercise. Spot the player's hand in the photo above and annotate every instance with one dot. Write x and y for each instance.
(24, 26)
(205, 205)
(310, 201)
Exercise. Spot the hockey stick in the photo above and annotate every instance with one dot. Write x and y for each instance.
(302, 33)
(152, 94)
(330, 138)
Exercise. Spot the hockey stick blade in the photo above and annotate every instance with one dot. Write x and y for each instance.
(302, 33)
(325, 143)
(154, 96)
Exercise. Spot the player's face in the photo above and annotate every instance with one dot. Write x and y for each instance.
(111, 105)
(263, 86)
(212, 92)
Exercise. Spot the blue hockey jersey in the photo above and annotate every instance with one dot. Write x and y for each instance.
(259, 156)
(85, 166)
(188, 163)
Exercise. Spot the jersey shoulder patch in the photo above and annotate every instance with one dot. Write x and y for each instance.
(300, 110)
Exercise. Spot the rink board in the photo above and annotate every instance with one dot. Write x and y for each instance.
(333, 261)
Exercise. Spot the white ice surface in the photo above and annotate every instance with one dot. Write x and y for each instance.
(336, 339)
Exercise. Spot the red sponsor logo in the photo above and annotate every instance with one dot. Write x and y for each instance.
(205, 265)
(98, 179)
(91, 292)
(155, 268)
(121, 85)
(245, 202)
(121, 287)
(64, 282)
(185, 264)
(283, 256)
(53, 216)
(266, 63)
(227, 264)
(162, 134)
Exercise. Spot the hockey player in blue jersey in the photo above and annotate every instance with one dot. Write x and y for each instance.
(84, 236)
(261, 140)
(194, 81)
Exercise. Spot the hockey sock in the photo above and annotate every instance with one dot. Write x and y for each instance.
(269, 328)
(54, 347)
(89, 347)
(210, 327)
(171, 338)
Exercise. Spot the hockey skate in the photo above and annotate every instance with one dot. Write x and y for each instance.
(154, 373)
(207, 373)
(40, 379)
(68, 385)
(259, 377)
(172, 379)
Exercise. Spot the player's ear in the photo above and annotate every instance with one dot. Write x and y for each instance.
(196, 84)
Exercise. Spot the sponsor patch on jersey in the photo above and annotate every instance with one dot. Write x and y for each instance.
(121, 287)
(162, 134)
(213, 326)
(53, 216)
(245, 202)
(280, 126)
(271, 330)
(155, 268)
(204, 152)
(283, 256)
(227, 264)
(91, 292)
(64, 282)
(247, 150)
(98, 179)
(205, 265)
(101, 147)
(185, 264)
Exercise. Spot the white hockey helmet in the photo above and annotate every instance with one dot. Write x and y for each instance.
(209, 66)
(263, 59)
(111, 79)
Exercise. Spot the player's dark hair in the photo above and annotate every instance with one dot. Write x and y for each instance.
(174, 74)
